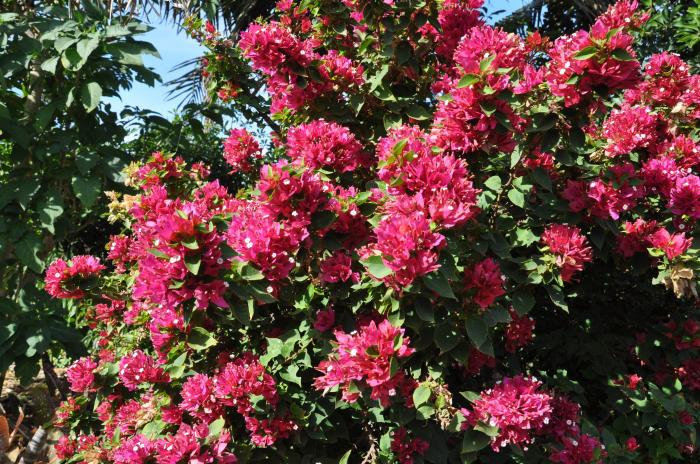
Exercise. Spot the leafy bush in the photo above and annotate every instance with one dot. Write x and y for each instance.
(59, 150)
(459, 256)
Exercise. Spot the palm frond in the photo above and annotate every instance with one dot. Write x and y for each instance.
(554, 17)
(188, 87)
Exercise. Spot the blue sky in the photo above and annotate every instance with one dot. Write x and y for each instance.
(175, 47)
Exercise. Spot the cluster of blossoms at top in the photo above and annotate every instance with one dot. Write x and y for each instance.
(276, 51)
(224, 329)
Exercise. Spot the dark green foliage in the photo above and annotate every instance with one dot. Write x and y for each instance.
(59, 150)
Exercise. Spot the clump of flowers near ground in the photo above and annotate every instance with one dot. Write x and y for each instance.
(468, 247)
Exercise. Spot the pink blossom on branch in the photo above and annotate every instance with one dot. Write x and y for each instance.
(517, 406)
(63, 279)
(81, 375)
(486, 279)
(321, 144)
(240, 149)
(365, 356)
(569, 248)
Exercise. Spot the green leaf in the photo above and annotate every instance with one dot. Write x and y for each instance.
(493, 183)
(424, 309)
(323, 219)
(44, 115)
(376, 267)
(477, 330)
(86, 160)
(425, 412)
(516, 197)
(403, 52)
(7, 330)
(485, 64)
(215, 429)
(36, 344)
(27, 251)
(550, 140)
(192, 262)
(116, 30)
(470, 396)
(586, 53)
(291, 375)
(488, 108)
(490, 430)
(474, 441)
(620, 54)
(251, 273)
(543, 122)
(177, 367)
(525, 237)
(153, 429)
(446, 337)
(356, 103)
(90, 95)
(437, 282)
(61, 44)
(50, 65)
(384, 93)
(129, 53)
(50, 208)
(542, 178)
(522, 302)
(86, 46)
(515, 158)
(577, 138)
(376, 80)
(345, 458)
(87, 189)
(26, 369)
(392, 121)
(421, 395)
(190, 243)
(557, 297)
(467, 80)
(71, 60)
(418, 113)
(157, 253)
(200, 339)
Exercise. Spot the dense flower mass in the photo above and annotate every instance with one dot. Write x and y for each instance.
(569, 248)
(366, 356)
(486, 280)
(81, 375)
(323, 144)
(445, 211)
(517, 407)
(240, 150)
(406, 448)
(408, 246)
(63, 279)
(138, 368)
(519, 331)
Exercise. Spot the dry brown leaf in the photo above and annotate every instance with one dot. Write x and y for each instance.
(4, 434)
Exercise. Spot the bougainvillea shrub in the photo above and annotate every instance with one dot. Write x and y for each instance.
(472, 247)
